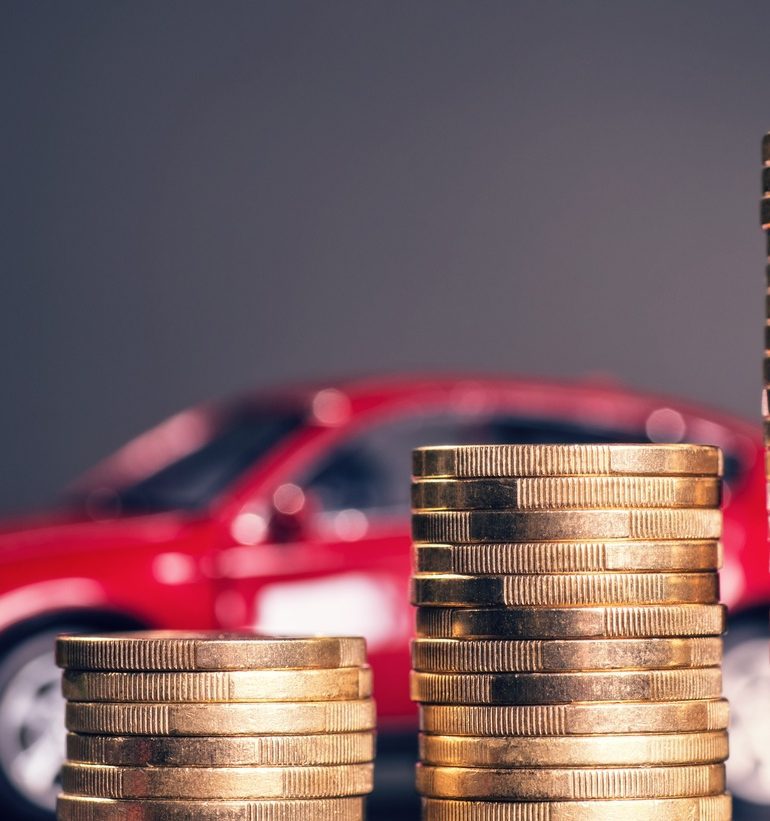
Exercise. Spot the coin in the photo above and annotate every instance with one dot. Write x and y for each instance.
(342, 683)
(83, 808)
(633, 621)
(566, 460)
(575, 751)
(501, 655)
(563, 688)
(558, 493)
(220, 719)
(556, 589)
(103, 781)
(567, 557)
(701, 808)
(575, 719)
(462, 527)
(170, 650)
(240, 751)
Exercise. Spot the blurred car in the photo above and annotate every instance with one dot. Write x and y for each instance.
(288, 512)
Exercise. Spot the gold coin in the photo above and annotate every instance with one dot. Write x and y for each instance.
(340, 684)
(574, 751)
(172, 650)
(538, 783)
(576, 719)
(82, 808)
(240, 751)
(556, 589)
(502, 655)
(567, 557)
(702, 808)
(102, 781)
(563, 688)
(558, 493)
(471, 461)
(221, 719)
(480, 526)
(633, 621)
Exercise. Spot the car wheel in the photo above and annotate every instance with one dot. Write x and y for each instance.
(746, 670)
(32, 734)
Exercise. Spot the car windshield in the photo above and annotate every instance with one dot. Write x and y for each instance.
(240, 438)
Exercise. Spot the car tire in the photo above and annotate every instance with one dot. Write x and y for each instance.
(32, 732)
(746, 671)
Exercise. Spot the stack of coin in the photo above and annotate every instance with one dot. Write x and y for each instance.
(568, 650)
(178, 726)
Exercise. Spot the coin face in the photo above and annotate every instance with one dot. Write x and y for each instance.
(707, 808)
(565, 492)
(220, 719)
(630, 621)
(473, 461)
(542, 783)
(563, 688)
(574, 751)
(84, 808)
(342, 683)
(103, 781)
(493, 655)
(168, 650)
(481, 526)
(576, 719)
(567, 557)
(212, 751)
(561, 589)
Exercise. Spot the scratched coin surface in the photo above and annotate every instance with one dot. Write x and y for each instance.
(213, 751)
(574, 751)
(630, 621)
(495, 526)
(85, 808)
(540, 783)
(340, 684)
(564, 589)
(169, 650)
(563, 492)
(500, 655)
(706, 808)
(479, 461)
(567, 557)
(103, 781)
(575, 719)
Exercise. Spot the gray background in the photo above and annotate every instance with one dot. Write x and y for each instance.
(202, 197)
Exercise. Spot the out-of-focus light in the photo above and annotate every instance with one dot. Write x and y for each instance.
(249, 528)
(230, 609)
(354, 604)
(174, 568)
(665, 425)
(330, 407)
(289, 499)
(350, 525)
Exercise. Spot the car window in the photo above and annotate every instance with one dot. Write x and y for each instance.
(371, 471)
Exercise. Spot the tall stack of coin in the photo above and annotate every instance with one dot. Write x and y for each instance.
(205, 726)
(568, 656)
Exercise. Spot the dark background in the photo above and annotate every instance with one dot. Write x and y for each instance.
(201, 197)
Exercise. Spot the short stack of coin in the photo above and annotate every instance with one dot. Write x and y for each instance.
(568, 650)
(215, 726)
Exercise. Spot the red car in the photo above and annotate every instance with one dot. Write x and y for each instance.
(289, 512)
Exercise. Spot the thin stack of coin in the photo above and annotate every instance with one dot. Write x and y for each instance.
(568, 650)
(203, 726)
